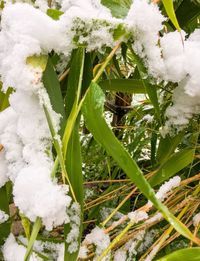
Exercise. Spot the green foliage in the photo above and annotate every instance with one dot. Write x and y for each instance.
(190, 254)
(119, 160)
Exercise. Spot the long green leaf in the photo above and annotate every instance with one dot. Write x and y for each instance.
(189, 254)
(168, 4)
(167, 146)
(123, 85)
(93, 114)
(36, 228)
(52, 86)
(173, 165)
(72, 146)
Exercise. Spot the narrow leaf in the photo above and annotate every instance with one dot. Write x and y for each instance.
(52, 86)
(123, 85)
(36, 228)
(167, 146)
(168, 4)
(189, 254)
(173, 165)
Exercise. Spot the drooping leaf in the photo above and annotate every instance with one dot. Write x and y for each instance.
(93, 114)
(168, 4)
(173, 165)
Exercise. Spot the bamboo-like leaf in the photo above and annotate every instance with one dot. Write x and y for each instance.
(36, 228)
(75, 79)
(189, 254)
(93, 114)
(123, 85)
(74, 170)
(173, 165)
(168, 4)
(52, 86)
(167, 146)
(71, 141)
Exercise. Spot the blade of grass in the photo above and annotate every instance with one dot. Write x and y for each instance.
(36, 228)
(123, 85)
(182, 159)
(189, 254)
(169, 7)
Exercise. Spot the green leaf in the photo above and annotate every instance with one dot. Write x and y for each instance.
(168, 4)
(119, 32)
(54, 14)
(4, 99)
(187, 12)
(188, 254)
(75, 79)
(93, 114)
(71, 140)
(4, 206)
(173, 165)
(36, 228)
(37, 61)
(119, 8)
(52, 85)
(74, 170)
(123, 85)
(167, 146)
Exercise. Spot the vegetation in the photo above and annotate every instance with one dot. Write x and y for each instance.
(114, 152)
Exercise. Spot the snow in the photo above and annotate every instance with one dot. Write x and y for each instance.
(99, 239)
(72, 238)
(120, 255)
(13, 251)
(24, 132)
(3, 169)
(145, 21)
(83, 252)
(26, 158)
(166, 188)
(37, 196)
(3, 217)
(137, 216)
(196, 219)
